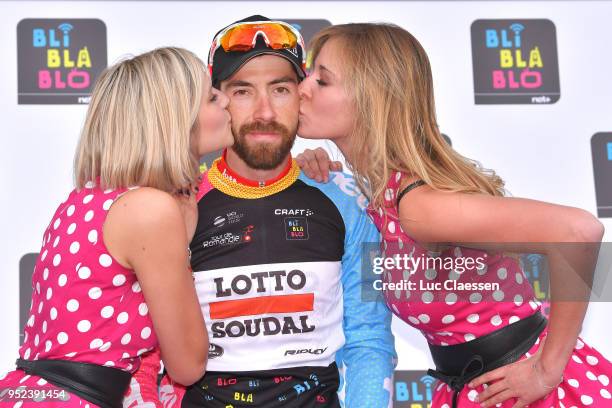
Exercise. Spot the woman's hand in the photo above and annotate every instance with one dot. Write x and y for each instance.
(316, 164)
(525, 380)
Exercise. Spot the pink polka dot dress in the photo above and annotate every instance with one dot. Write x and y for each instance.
(453, 315)
(86, 307)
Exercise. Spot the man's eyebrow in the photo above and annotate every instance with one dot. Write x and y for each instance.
(283, 80)
(236, 83)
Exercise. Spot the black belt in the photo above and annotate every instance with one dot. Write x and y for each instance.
(103, 386)
(459, 364)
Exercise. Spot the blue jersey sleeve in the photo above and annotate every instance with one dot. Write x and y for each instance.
(368, 358)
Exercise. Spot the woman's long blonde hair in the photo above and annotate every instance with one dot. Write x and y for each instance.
(388, 74)
(138, 128)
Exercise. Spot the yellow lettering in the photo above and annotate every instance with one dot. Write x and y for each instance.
(505, 59)
(535, 59)
(84, 59)
(68, 63)
(520, 63)
(537, 291)
(53, 58)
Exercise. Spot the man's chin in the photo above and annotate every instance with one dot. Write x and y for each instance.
(264, 163)
(264, 157)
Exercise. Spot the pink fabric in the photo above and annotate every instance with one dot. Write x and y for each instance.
(204, 186)
(86, 307)
(170, 393)
(143, 391)
(446, 317)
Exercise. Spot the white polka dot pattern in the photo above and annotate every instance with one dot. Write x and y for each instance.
(448, 317)
(86, 306)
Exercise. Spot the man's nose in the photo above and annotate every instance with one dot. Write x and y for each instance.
(264, 110)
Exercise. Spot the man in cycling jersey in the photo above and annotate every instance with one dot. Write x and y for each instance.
(277, 256)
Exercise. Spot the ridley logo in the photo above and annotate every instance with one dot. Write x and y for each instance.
(214, 351)
(303, 351)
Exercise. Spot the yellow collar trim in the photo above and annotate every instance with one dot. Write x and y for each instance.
(235, 189)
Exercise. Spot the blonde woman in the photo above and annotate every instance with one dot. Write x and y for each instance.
(370, 91)
(112, 281)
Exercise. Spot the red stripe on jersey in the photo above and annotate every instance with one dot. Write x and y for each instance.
(262, 305)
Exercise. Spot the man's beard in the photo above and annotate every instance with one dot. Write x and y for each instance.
(263, 156)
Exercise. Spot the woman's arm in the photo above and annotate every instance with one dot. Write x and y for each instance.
(517, 225)
(429, 215)
(147, 231)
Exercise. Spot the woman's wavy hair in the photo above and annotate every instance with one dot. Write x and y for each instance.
(388, 75)
(139, 125)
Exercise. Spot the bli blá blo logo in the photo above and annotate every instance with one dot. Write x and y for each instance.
(601, 149)
(413, 389)
(515, 62)
(59, 59)
(296, 228)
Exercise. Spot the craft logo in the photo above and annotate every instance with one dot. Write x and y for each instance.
(515, 62)
(296, 228)
(412, 389)
(294, 211)
(601, 149)
(59, 60)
